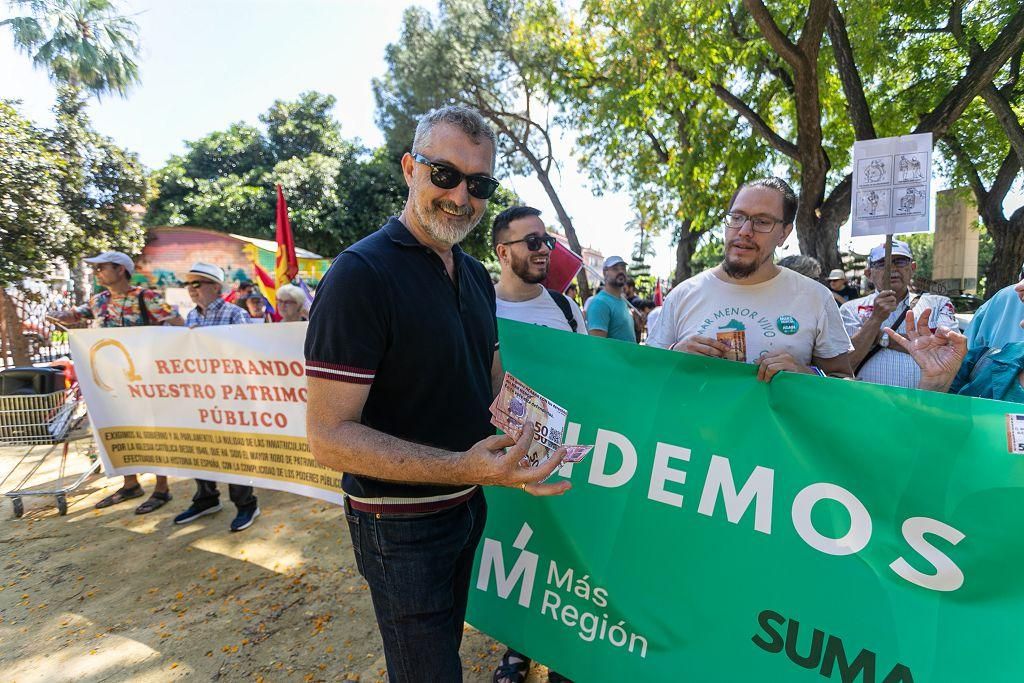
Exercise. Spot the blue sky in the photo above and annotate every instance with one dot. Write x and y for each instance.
(206, 64)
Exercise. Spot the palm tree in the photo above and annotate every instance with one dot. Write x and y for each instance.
(85, 44)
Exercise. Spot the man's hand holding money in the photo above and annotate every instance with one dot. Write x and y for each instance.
(499, 461)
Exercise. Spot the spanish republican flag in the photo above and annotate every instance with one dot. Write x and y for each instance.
(286, 265)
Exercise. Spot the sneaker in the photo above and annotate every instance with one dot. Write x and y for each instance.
(194, 513)
(244, 519)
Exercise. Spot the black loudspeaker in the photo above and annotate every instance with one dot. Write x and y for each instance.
(31, 381)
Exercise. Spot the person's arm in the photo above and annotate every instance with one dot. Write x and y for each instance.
(497, 373)
(838, 366)
(772, 363)
(577, 314)
(598, 319)
(868, 331)
(939, 354)
(337, 440)
(159, 310)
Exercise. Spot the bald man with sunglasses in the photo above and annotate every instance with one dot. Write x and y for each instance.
(402, 363)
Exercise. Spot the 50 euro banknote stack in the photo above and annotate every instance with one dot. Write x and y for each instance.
(517, 405)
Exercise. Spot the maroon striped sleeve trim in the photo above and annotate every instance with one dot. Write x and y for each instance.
(337, 378)
(341, 373)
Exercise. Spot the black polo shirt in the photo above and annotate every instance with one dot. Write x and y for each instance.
(387, 314)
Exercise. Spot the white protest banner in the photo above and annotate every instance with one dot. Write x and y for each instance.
(891, 185)
(226, 403)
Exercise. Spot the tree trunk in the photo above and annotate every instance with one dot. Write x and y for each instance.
(1008, 236)
(822, 242)
(563, 219)
(685, 248)
(545, 181)
(10, 327)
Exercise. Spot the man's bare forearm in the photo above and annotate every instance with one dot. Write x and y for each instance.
(357, 449)
(863, 339)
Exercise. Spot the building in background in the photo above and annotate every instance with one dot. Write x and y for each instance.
(170, 251)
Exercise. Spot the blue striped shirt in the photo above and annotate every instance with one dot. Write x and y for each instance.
(219, 312)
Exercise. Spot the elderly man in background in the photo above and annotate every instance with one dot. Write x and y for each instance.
(873, 358)
(204, 282)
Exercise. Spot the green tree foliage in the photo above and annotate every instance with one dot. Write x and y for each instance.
(34, 229)
(484, 54)
(337, 190)
(102, 186)
(87, 46)
(726, 89)
(646, 126)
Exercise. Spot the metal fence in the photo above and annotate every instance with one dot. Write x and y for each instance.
(45, 341)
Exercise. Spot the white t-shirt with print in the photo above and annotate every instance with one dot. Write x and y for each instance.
(887, 366)
(789, 313)
(540, 310)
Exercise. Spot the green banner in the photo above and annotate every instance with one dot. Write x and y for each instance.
(725, 529)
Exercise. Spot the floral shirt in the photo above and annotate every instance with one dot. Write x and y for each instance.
(122, 310)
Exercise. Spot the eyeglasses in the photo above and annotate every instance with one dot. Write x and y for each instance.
(477, 184)
(897, 262)
(735, 221)
(196, 284)
(533, 241)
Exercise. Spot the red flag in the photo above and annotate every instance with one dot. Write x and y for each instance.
(563, 266)
(658, 298)
(286, 265)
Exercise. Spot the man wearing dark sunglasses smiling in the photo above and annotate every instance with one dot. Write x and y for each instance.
(524, 247)
(402, 363)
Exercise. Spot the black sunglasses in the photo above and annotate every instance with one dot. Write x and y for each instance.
(477, 184)
(196, 284)
(534, 241)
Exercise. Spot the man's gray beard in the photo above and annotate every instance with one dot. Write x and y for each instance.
(442, 231)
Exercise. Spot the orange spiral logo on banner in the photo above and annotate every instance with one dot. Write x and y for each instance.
(130, 374)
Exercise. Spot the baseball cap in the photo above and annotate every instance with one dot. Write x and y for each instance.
(836, 274)
(899, 248)
(612, 261)
(207, 270)
(114, 257)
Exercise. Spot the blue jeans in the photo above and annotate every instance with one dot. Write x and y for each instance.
(418, 567)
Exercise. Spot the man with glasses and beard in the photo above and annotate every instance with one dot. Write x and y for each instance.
(402, 363)
(748, 309)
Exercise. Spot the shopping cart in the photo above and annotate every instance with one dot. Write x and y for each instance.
(41, 410)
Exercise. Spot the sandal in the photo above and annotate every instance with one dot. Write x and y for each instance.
(120, 495)
(512, 671)
(156, 501)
